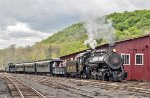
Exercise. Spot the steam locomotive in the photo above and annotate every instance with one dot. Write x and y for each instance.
(97, 64)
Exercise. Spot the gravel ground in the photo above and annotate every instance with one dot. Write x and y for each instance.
(4, 91)
(56, 92)
(110, 93)
(48, 91)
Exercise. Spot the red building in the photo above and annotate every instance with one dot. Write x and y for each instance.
(135, 53)
(136, 56)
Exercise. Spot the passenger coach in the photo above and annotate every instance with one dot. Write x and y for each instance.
(19, 68)
(30, 67)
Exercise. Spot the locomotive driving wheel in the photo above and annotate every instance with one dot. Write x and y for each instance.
(94, 75)
(98, 77)
(84, 76)
(105, 77)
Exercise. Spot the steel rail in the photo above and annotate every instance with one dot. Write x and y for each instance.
(32, 89)
(37, 92)
(20, 93)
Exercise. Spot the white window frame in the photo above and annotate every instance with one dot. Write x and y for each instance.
(129, 57)
(142, 58)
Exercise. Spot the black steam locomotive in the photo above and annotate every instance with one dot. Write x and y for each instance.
(98, 64)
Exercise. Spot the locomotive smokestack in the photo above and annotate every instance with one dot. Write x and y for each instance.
(111, 46)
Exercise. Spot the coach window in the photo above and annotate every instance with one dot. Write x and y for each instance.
(139, 59)
(126, 59)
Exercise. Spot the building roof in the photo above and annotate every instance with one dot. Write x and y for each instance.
(143, 36)
(106, 44)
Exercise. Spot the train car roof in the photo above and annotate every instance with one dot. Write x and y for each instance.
(53, 60)
(56, 60)
(39, 62)
(21, 64)
(29, 63)
(44, 61)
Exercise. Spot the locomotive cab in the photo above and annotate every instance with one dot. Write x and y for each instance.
(81, 63)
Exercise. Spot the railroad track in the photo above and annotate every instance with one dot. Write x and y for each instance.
(115, 86)
(120, 86)
(64, 87)
(19, 89)
(126, 86)
(54, 84)
(107, 85)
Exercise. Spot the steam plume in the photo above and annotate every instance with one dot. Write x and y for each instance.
(99, 29)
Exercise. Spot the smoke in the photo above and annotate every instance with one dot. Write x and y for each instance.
(99, 28)
(91, 42)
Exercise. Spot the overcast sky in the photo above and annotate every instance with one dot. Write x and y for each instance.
(24, 22)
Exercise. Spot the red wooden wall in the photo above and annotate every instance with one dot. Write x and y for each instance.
(139, 45)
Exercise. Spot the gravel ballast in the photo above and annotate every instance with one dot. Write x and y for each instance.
(4, 90)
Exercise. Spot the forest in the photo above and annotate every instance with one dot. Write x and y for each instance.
(71, 39)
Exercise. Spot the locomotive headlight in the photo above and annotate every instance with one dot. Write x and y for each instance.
(114, 50)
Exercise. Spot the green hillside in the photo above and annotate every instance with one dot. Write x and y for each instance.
(131, 24)
(68, 40)
(71, 39)
(127, 25)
